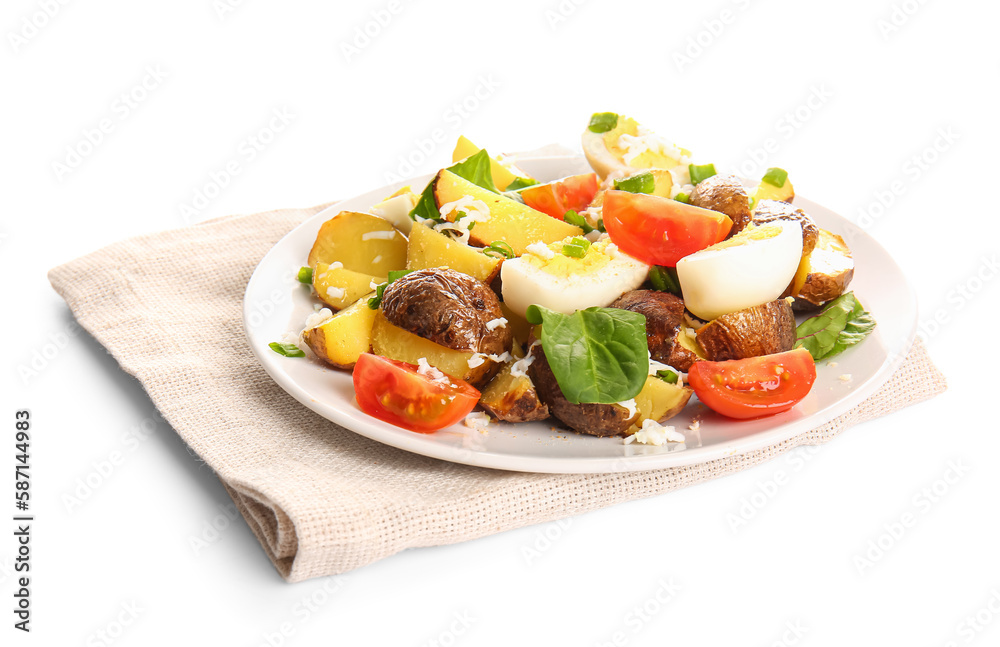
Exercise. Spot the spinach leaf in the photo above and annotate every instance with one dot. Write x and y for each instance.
(843, 323)
(597, 354)
(475, 169)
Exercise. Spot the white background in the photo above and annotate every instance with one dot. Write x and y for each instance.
(886, 78)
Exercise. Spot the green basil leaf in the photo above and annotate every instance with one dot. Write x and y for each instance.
(843, 323)
(597, 355)
(475, 169)
(288, 350)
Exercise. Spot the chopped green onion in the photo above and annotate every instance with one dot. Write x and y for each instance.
(664, 279)
(753, 202)
(376, 300)
(669, 377)
(520, 183)
(600, 226)
(305, 275)
(775, 177)
(574, 218)
(700, 172)
(639, 183)
(602, 122)
(574, 250)
(581, 241)
(499, 248)
(683, 197)
(288, 350)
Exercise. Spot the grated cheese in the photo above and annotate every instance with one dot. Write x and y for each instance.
(319, 318)
(540, 250)
(334, 292)
(379, 235)
(653, 433)
(493, 324)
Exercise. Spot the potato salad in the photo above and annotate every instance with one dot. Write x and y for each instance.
(605, 302)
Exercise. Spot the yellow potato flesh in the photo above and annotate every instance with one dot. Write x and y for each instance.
(341, 340)
(339, 287)
(393, 342)
(659, 401)
(361, 242)
(428, 248)
(510, 221)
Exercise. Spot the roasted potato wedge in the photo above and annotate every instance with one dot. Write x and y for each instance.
(761, 330)
(824, 273)
(592, 419)
(341, 340)
(770, 210)
(513, 398)
(664, 314)
(339, 287)
(428, 248)
(449, 308)
(511, 221)
(725, 194)
(360, 242)
(659, 401)
(395, 343)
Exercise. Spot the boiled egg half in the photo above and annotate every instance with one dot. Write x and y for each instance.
(753, 267)
(569, 275)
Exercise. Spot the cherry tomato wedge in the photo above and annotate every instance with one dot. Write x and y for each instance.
(397, 393)
(556, 198)
(755, 386)
(658, 230)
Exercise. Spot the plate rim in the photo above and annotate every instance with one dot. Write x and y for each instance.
(412, 442)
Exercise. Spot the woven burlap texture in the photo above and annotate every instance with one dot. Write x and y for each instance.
(323, 500)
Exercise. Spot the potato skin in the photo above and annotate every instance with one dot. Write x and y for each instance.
(448, 308)
(586, 418)
(761, 330)
(725, 194)
(771, 210)
(664, 314)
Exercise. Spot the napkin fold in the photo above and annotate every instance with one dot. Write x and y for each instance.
(323, 500)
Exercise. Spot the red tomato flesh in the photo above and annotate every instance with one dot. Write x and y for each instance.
(660, 231)
(556, 198)
(395, 392)
(755, 386)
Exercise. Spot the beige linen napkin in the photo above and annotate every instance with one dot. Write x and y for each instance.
(323, 500)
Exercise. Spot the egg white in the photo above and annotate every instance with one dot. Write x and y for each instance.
(524, 284)
(715, 282)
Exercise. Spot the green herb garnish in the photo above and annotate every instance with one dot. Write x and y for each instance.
(602, 122)
(775, 177)
(638, 183)
(305, 275)
(499, 248)
(600, 226)
(576, 248)
(288, 350)
(665, 279)
(670, 377)
(841, 324)
(683, 197)
(520, 183)
(573, 218)
(700, 172)
(376, 300)
(597, 354)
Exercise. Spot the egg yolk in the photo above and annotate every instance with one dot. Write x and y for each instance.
(750, 233)
(647, 159)
(561, 265)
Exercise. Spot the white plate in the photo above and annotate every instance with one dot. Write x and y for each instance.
(275, 303)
